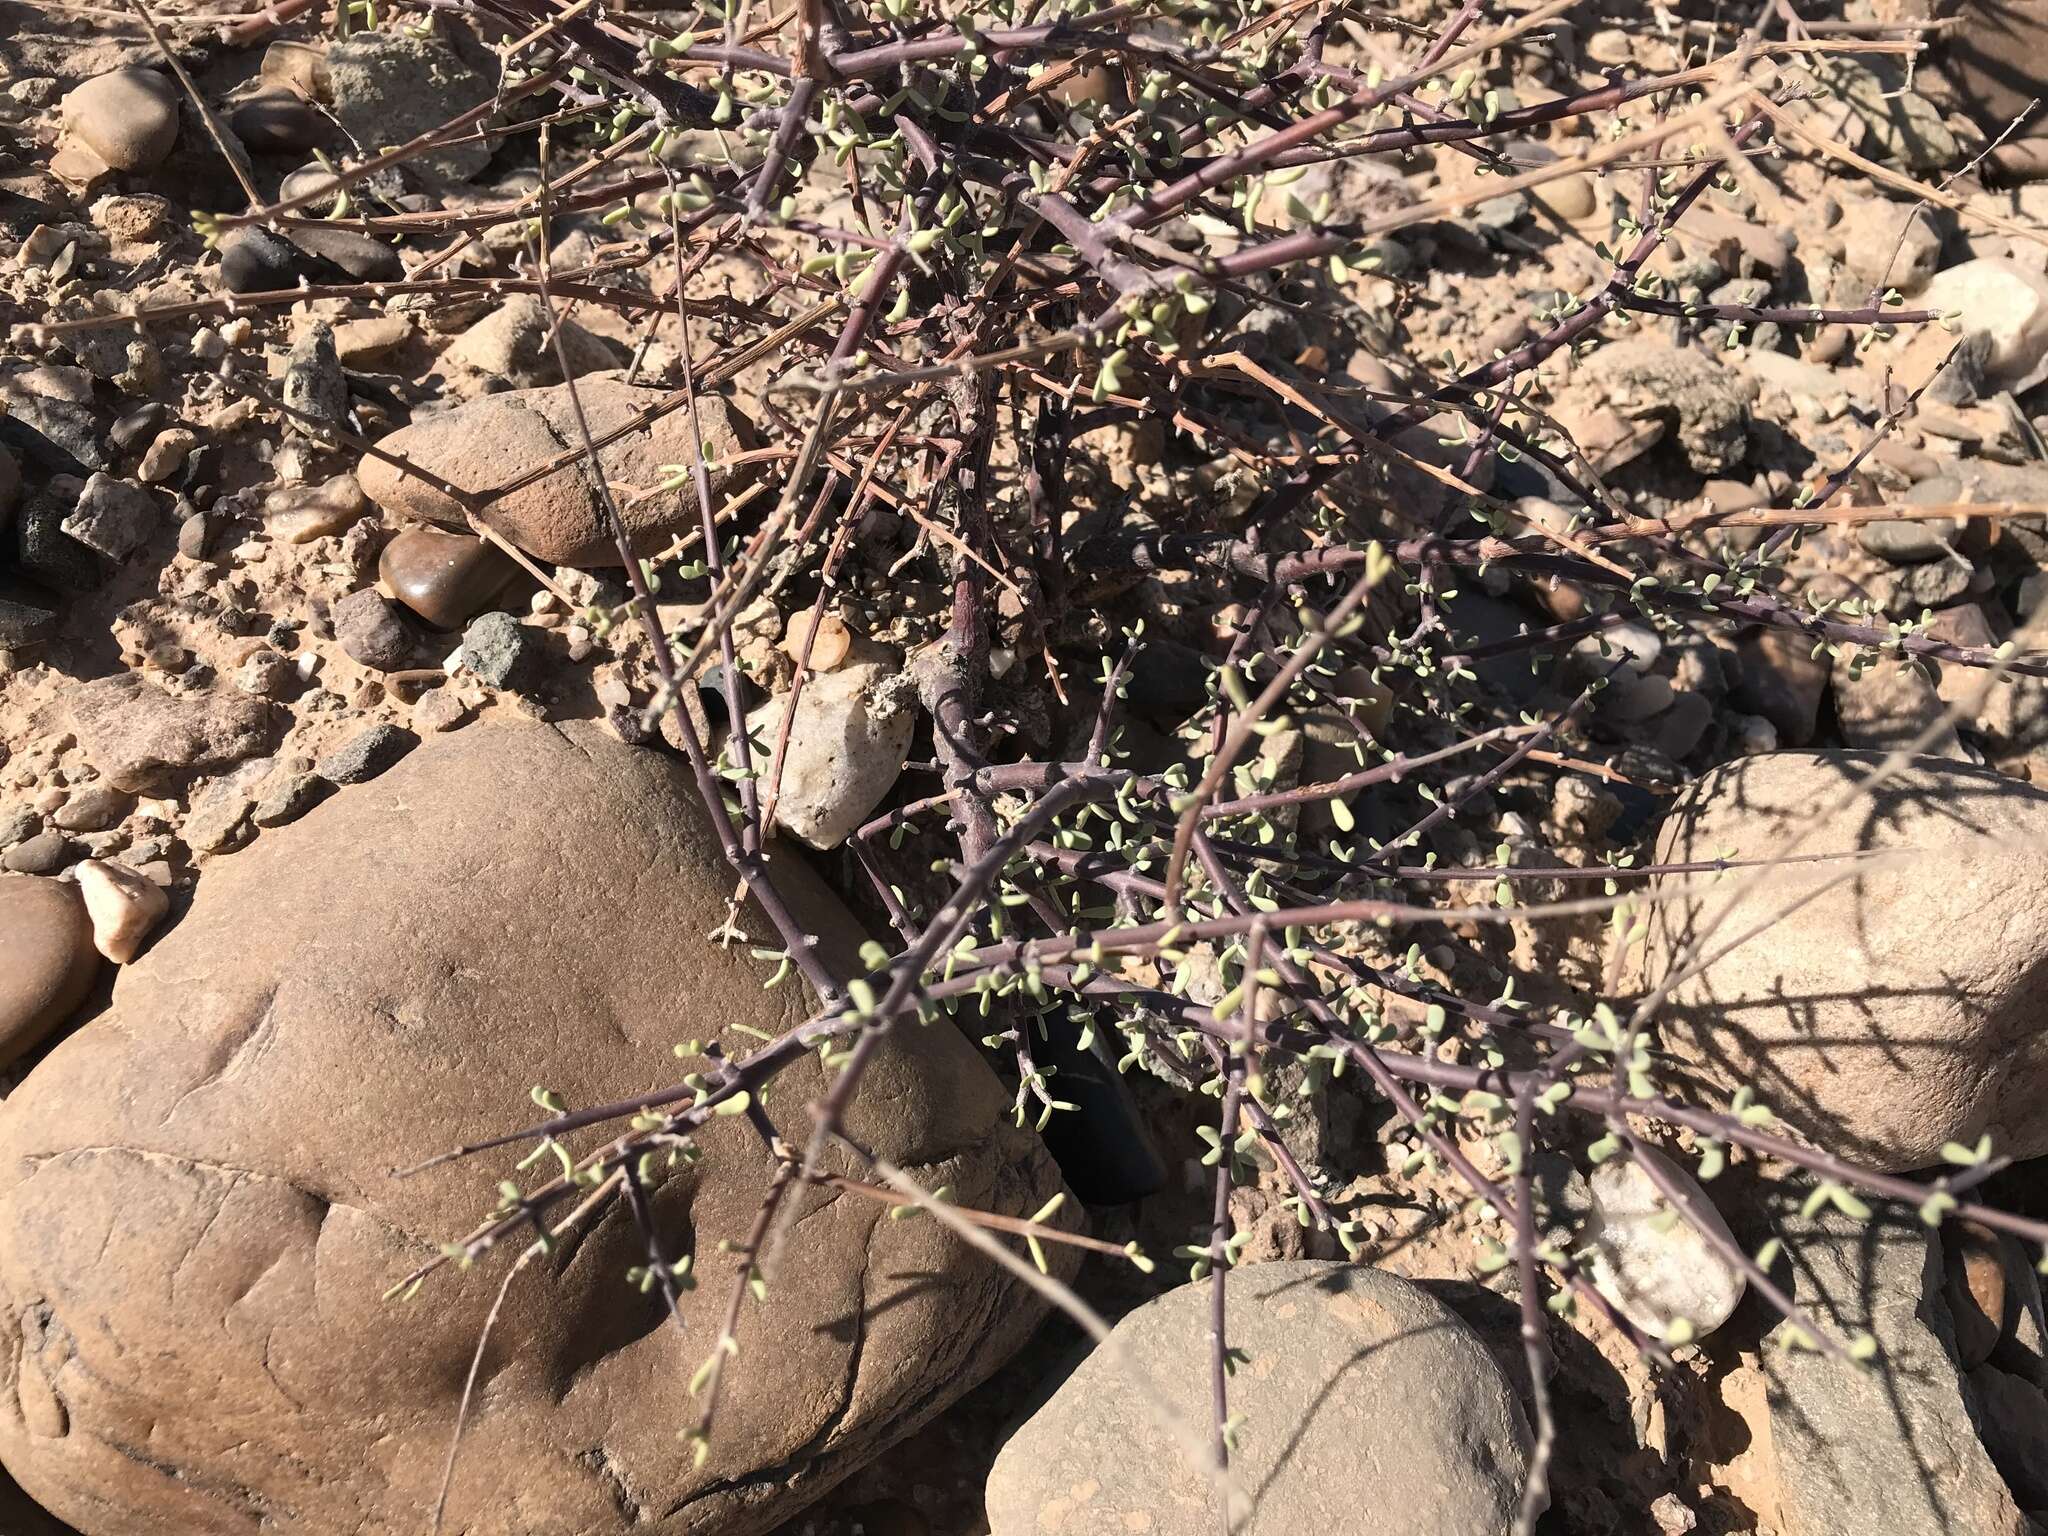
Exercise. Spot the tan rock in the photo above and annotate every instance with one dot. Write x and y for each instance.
(490, 441)
(1884, 1007)
(127, 117)
(47, 963)
(372, 985)
(299, 514)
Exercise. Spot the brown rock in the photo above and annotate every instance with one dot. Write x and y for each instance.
(1978, 1298)
(277, 125)
(200, 1126)
(1895, 1010)
(138, 736)
(445, 578)
(1783, 681)
(47, 962)
(370, 631)
(516, 342)
(1995, 55)
(489, 441)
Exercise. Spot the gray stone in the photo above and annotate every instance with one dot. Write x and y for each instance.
(253, 260)
(287, 798)
(220, 821)
(1709, 402)
(391, 86)
(1891, 1446)
(24, 623)
(371, 632)
(1904, 592)
(349, 252)
(195, 535)
(139, 426)
(112, 517)
(2012, 1415)
(62, 436)
(366, 754)
(19, 825)
(43, 854)
(496, 648)
(1366, 1405)
(1910, 542)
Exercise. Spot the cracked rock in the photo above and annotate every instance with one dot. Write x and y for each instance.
(200, 1113)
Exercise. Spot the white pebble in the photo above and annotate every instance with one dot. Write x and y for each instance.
(124, 906)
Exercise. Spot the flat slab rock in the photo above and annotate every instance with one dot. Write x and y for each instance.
(1892, 1446)
(380, 982)
(1367, 1406)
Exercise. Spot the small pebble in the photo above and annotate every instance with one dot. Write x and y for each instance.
(439, 709)
(299, 514)
(268, 675)
(166, 455)
(290, 797)
(371, 632)
(496, 649)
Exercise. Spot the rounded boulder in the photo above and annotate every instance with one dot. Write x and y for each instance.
(1364, 1405)
(1884, 1003)
(198, 1219)
(128, 117)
